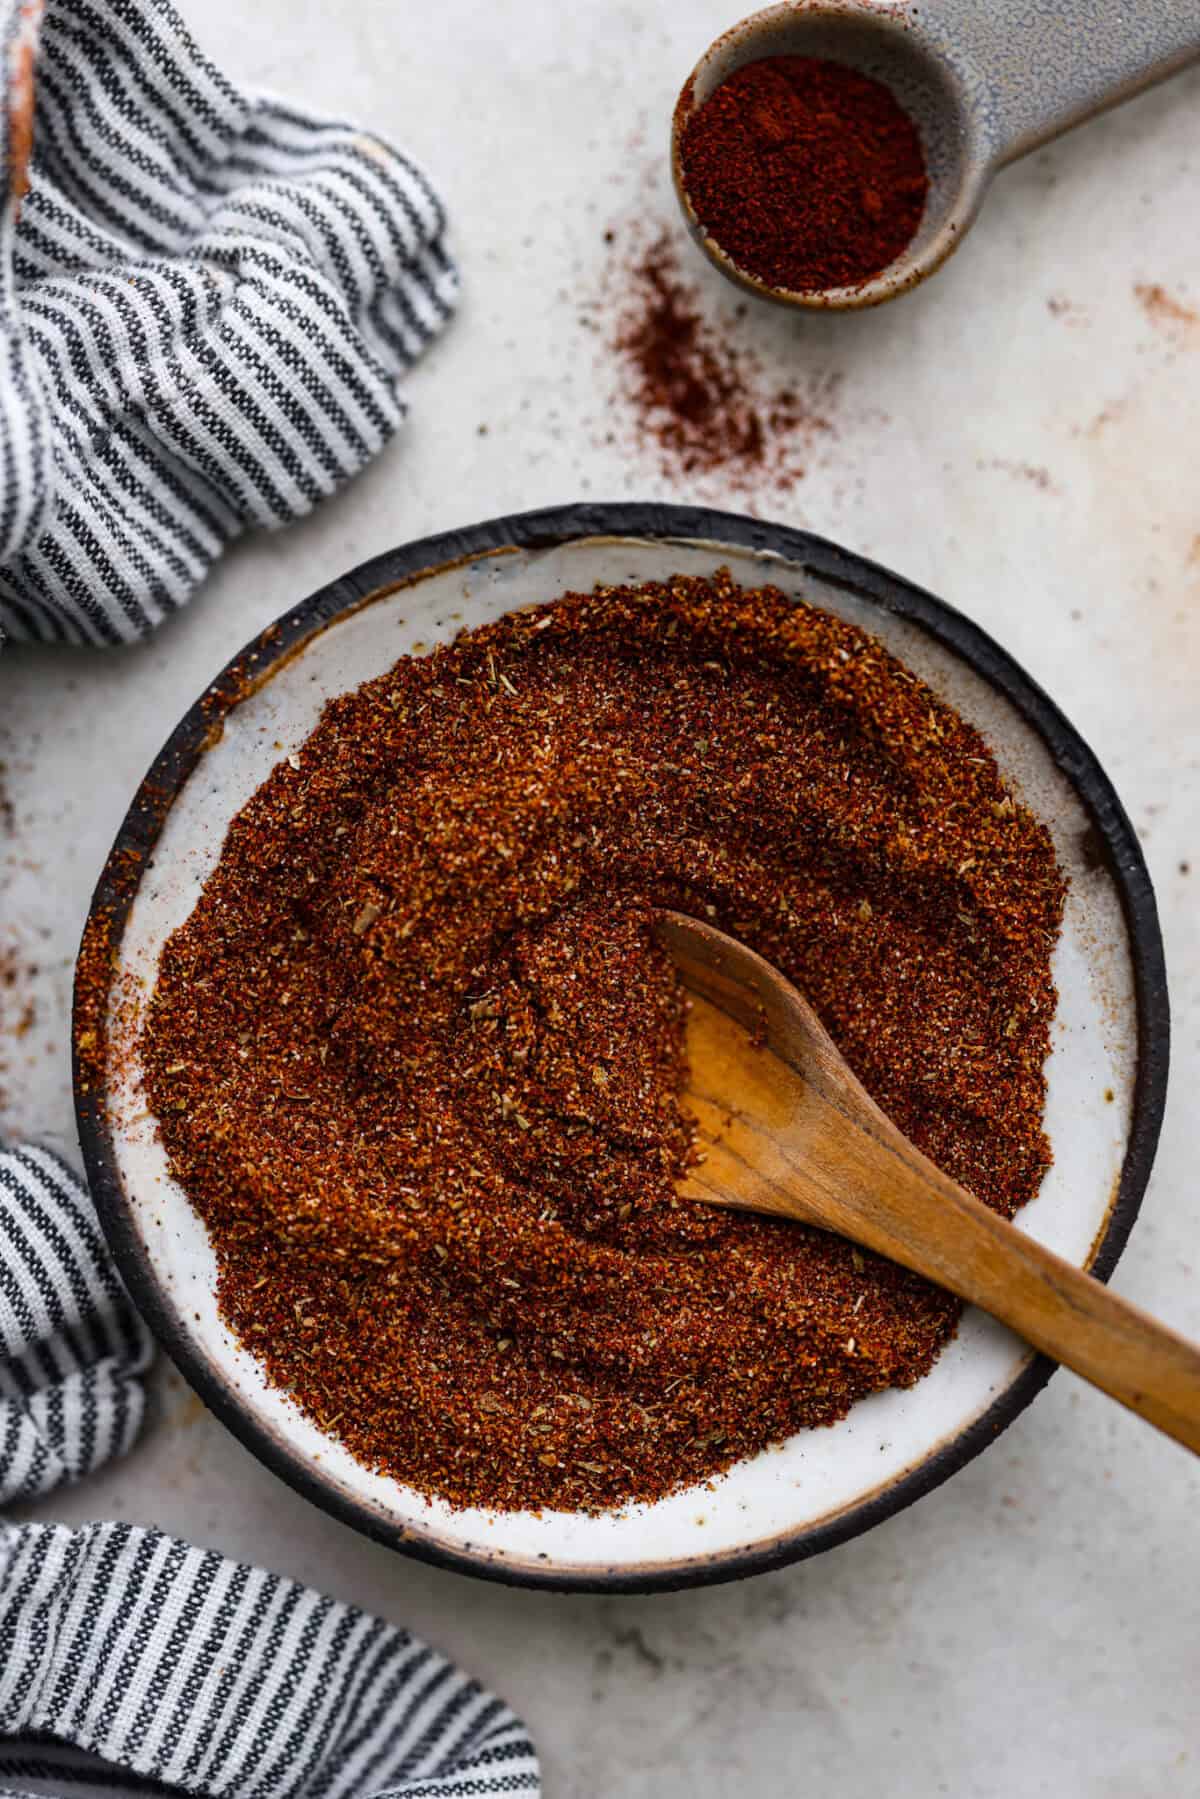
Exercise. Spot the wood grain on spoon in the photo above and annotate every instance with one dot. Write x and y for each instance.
(786, 1128)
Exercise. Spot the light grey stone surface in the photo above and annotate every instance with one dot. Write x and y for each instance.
(1022, 436)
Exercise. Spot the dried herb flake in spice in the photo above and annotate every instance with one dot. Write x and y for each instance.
(416, 1056)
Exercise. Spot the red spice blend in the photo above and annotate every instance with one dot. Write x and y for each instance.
(808, 174)
(416, 1055)
(18, 1010)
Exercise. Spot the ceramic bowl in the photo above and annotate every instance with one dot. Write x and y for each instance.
(1107, 1070)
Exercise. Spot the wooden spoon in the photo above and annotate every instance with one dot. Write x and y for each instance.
(786, 1128)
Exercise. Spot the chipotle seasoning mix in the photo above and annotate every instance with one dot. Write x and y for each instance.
(809, 174)
(416, 1055)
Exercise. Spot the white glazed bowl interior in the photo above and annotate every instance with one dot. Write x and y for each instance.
(815, 1478)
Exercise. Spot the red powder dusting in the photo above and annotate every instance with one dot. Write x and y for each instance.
(701, 402)
(808, 174)
(1164, 308)
(17, 1011)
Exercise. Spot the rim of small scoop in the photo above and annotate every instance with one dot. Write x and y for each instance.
(909, 269)
(133, 850)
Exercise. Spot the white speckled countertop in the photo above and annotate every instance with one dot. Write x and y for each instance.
(1022, 436)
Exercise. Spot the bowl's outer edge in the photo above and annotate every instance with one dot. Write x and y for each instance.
(548, 528)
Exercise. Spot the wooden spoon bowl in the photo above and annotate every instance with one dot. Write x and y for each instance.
(786, 1128)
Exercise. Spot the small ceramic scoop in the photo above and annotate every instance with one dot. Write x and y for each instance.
(984, 81)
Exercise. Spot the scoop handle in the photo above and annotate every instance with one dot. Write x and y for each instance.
(1045, 68)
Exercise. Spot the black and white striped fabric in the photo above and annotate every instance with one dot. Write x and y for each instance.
(207, 300)
(130, 1661)
(72, 1349)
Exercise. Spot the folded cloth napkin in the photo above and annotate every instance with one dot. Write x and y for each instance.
(206, 302)
(127, 1657)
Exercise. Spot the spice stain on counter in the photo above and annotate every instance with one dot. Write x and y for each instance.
(1165, 309)
(1032, 473)
(1070, 312)
(693, 393)
(18, 971)
(18, 1015)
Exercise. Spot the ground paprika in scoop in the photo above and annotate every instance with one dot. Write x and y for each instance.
(808, 174)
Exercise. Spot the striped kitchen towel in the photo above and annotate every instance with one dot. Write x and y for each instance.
(130, 1661)
(207, 301)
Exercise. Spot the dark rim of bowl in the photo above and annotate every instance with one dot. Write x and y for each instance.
(1115, 843)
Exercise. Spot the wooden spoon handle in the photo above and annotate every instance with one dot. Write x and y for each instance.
(937, 1228)
(793, 1133)
(878, 1190)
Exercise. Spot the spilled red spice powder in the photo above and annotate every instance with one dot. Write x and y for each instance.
(1162, 307)
(808, 174)
(700, 399)
(416, 1055)
(18, 1011)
